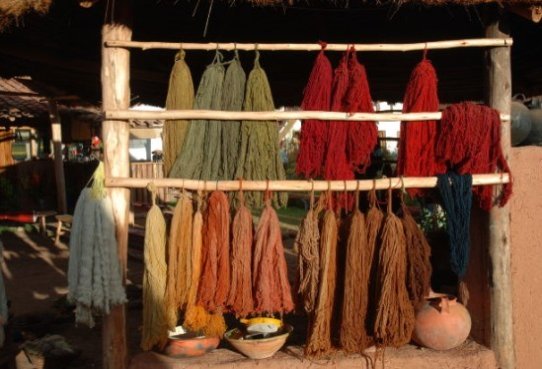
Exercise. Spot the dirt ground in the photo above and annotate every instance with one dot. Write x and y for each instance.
(35, 272)
(36, 285)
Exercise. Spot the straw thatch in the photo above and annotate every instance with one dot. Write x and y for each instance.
(11, 11)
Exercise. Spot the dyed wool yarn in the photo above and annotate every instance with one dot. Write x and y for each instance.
(180, 96)
(417, 141)
(395, 314)
(362, 136)
(313, 137)
(470, 142)
(259, 148)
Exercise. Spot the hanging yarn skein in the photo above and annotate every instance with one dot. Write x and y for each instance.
(196, 318)
(215, 277)
(155, 324)
(419, 268)
(353, 334)
(94, 270)
(470, 142)
(179, 266)
(240, 297)
(232, 100)
(395, 314)
(456, 193)
(336, 162)
(362, 137)
(259, 149)
(337, 165)
(272, 291)
(307, 244)
(373, 226)
(319, 331)
(180, 96)
(313, 137)
(416, 154)
(195, 156)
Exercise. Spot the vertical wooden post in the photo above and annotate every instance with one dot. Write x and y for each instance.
(499, 97)
(115, 75)
(56, 134)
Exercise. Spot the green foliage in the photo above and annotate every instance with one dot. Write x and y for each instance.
(433, 219)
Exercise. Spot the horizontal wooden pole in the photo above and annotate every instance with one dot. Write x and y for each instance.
(433, 45)
(298, 185)
(270, 115)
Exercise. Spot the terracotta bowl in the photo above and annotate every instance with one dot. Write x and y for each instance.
(258, 348)
(182, 344)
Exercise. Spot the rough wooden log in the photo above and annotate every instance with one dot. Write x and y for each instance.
(115, 74)
(272, 115)
(56, 135)
(499, 97)
(298, 185)
(448, 44)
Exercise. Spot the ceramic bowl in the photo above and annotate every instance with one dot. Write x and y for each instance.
(260, 348)
(182, 344)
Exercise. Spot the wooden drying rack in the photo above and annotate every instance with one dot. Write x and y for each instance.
(115, 73)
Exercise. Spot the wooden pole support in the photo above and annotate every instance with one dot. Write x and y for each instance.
(299, 185)
(56, 134)
(115, 76)
(273, 115)
(449, 44)
(499, 97)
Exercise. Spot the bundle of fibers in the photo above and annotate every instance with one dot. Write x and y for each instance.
(232, 100)
(417, 141)
(259, 149)
(395, 314)
(353, 334)
(373, 226)
(196, 318)
(470, 142)
(319, 331)
(456, 193)
(194, 153)
(362, 137)
(94, 270)
(336, 161)
(179, 266)
(418, 258)
(307, 244)
(313, 137)
(155, 322)
(180, 95)
(240, 298)
(215, 276)
(272, 292)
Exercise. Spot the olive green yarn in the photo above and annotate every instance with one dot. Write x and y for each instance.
(232, 100)
(180, 96)
(196, 160)
(259, 149)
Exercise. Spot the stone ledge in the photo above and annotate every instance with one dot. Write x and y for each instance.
(470, 355)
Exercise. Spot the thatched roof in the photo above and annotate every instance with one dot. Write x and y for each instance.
(12, 11)
(63, 48)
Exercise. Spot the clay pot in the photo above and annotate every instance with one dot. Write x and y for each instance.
(442, 323)
(182, 344)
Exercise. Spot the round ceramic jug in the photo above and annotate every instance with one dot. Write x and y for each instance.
(442, 323)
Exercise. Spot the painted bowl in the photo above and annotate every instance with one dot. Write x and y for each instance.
(183, 344)
(258, 348)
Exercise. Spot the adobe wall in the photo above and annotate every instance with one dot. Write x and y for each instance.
(526, 253)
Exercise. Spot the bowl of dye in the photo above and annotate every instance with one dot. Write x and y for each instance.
(258, 345)
(183, 344)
